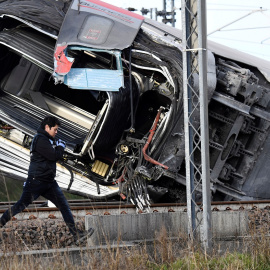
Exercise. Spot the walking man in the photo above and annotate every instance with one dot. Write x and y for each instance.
(45, 152)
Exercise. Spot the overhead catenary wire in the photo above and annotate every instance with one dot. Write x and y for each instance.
(215, 4)
(252, 27)
(244, 41)
(249, 28)
(238, 19)
(233, 9)
(265, 40)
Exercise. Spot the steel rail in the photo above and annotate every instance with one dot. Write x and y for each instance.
(80, 205)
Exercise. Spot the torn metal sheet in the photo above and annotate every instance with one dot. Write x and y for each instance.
(89, 78)
(98, 25)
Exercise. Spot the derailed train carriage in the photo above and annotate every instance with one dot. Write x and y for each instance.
(114, 79)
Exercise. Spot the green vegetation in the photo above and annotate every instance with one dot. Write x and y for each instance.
(162, 257)
(11, 190)
(231, 261)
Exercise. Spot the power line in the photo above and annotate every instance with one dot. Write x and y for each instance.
(265, 40)
(238, 40)
(250, 28)
(232, 5)
(218, 9)
(246, 15)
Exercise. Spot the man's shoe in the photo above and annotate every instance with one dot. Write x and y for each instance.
(84, 235)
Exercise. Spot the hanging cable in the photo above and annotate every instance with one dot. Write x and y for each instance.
(132, 128)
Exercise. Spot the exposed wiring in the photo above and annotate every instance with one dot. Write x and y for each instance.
(164, 69)
(132, 128)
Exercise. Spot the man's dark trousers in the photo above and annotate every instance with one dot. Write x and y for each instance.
(50, 190)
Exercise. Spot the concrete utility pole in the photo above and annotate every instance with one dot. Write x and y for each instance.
(196, 120)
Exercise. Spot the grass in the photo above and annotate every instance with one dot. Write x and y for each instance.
(162, 257)
(162, 254)
(231, 261)
(11, 190)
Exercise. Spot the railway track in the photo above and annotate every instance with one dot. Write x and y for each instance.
(40, 209)
(40, 227)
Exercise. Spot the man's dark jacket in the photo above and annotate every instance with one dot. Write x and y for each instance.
(44, 155)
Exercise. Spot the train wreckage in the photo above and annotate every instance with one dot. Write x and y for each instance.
(114, 79)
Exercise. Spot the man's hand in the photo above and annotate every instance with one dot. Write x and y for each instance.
(61, 143)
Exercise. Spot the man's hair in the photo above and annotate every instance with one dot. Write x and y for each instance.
(51, 121)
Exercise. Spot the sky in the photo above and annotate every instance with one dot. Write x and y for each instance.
(247, 22)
